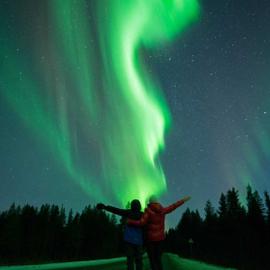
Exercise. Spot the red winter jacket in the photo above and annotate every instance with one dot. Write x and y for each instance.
(153, 218)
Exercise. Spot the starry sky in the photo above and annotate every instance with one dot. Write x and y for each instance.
(209, 78)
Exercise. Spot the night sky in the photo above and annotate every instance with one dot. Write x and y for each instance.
(62, 143)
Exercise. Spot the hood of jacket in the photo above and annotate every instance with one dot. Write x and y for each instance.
(155, 207)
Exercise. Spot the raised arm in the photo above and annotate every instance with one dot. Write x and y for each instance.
(173, 206)
(114, 210)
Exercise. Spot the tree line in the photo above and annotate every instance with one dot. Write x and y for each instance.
(233, 235)
(33, 235)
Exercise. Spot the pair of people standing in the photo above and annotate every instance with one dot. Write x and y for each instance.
(152, 221)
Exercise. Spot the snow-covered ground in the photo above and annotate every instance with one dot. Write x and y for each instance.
(171, 262)
(95, 264)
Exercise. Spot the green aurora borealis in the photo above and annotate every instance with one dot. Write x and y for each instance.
(98, 103)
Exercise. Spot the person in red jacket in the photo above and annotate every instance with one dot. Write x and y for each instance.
(154, 219)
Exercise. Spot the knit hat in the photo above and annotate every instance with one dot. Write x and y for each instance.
(153, 199)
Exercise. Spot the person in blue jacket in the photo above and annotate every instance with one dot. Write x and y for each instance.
(133, 236)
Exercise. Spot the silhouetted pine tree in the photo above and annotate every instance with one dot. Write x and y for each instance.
(210, 240)
(210, 214)
(256, 227)
(171, 242)
(43, 232)
(55, 226)
(222, 208)
(184, 232)
(255, 214)
(223, 230)
(28, 231)
(267, 203)
(189, 227)
(196, 235)
(11, 234)
(267, 224)
(235, 224)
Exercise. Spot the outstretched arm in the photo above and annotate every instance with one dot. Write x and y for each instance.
(114, 210)
(173, 206)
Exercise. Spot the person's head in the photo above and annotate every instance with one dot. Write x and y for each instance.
(153, 199)
(135, 205)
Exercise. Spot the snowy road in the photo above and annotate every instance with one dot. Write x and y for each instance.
(171, 262)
